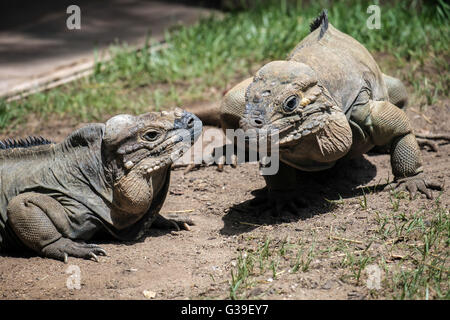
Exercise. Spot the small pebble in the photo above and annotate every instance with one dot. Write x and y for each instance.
(149, 294)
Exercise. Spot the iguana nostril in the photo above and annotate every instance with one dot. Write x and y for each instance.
(187, 121)
(190, 122)
(258, 123)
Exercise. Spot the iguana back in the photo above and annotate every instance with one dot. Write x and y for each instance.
(342, 64)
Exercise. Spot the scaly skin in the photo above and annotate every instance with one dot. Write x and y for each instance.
(103, 178)
(328, 101)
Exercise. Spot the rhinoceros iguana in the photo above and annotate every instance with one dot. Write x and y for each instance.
(327, 101)
(103, 178)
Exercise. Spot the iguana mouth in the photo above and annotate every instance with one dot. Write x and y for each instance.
(310, 126)
(292, 128)
(170, 150)
(147, 158)
(286, 134)
(310, 121)
(301, 126)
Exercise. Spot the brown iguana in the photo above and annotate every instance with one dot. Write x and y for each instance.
(327, 101)
(103, 178)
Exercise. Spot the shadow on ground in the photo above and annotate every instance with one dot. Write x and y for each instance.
(320, 190)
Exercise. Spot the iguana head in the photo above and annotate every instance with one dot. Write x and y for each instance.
(287, 98)
(150, 141)
(139, 150)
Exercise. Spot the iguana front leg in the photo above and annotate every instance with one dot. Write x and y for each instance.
(41, 224)
(388, 124)
(399, 97)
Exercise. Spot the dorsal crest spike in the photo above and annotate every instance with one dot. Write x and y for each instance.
(322, 22)
(30, 141)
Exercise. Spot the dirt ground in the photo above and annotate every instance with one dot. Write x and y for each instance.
(197, 264)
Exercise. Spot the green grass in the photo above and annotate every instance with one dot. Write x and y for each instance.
(267, 263)
(410, 246)
(242, 276)
(416, 244)
(218, 50)
(424, 236)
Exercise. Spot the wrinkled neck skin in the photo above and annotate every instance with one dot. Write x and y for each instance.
(318, 135)
(133, 189)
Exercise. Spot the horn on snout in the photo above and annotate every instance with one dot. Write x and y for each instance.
(117, 127)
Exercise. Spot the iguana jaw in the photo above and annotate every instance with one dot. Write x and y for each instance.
(164, 155)
(322, 136)
(310, 122)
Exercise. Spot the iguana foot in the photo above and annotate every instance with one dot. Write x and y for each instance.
(63, 247)
(178, 223)
(429, 140)
(216, 158)
(278, 203)
(414, 184)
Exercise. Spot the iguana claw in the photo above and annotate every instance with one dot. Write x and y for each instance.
(62, 248)
(211, 160)
(180, 223)
(414, 184)
(93, 256)
(222, 161)
(175, 225)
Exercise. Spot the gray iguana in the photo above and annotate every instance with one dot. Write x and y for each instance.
(327, 101)
(103, 178)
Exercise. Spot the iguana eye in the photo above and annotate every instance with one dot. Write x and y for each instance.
(151, 135)
(290, 103)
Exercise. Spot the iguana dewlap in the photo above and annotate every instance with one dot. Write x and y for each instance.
(103, 178)
(327, 101)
